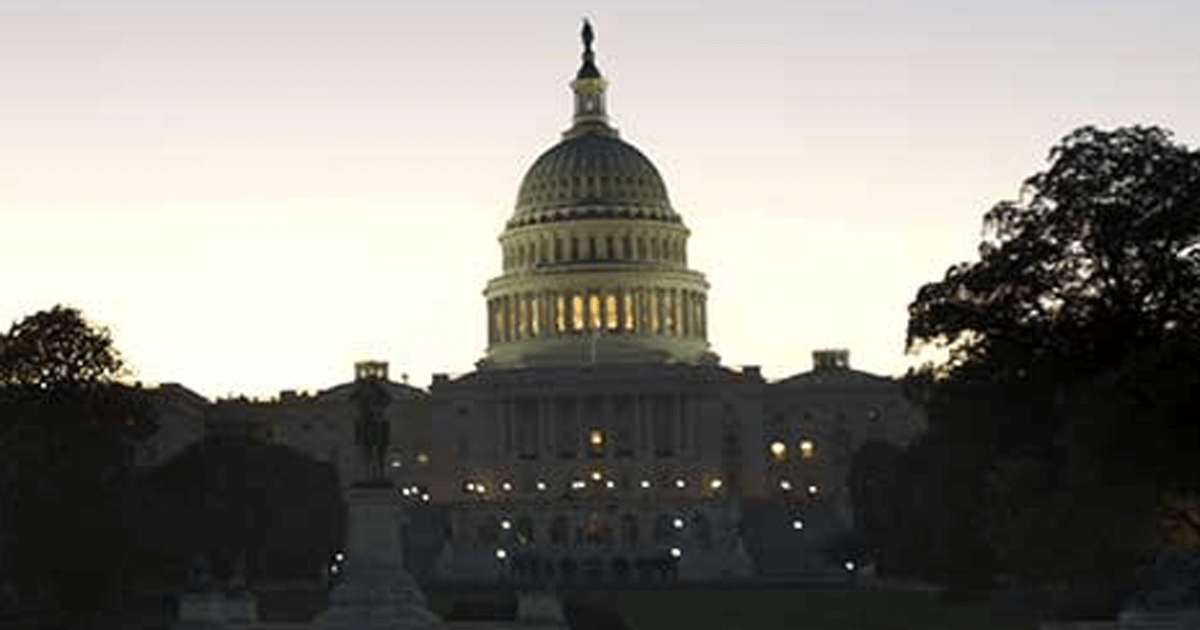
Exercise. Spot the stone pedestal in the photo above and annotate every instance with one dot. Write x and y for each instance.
(376, 591)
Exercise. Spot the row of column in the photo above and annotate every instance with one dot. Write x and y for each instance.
(591, 248)
(600, 427)
(544, 314)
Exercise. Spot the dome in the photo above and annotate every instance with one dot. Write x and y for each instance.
(592, 175)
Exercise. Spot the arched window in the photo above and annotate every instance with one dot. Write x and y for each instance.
(560, 312)
(611, 314)
(577, 312)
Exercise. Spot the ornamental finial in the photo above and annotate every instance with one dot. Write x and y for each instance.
(588, 36)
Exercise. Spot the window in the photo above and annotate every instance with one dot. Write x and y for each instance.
(560, 313)
(558, 530)
(807, 449)
(627, 299)
(778, 450)
(596, 442)
(594, 313)
(611, 315)
(577, 312)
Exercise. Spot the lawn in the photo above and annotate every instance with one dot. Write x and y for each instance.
(779, 609)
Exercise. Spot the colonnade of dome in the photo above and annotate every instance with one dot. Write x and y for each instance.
(661, 311)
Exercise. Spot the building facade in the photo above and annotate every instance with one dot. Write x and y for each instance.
(599, 438)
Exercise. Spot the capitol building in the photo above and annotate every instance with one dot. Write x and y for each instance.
(599, 438)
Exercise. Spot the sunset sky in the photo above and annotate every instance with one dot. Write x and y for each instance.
(254, 194)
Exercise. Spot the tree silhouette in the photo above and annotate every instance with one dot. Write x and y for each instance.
(1070, 354)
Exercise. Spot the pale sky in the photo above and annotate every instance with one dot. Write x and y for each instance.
(254, 194)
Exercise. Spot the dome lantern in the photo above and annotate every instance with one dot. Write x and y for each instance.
(591, 115)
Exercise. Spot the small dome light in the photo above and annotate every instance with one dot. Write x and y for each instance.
(645, 483)
(778, 449)
(505, 524)
(797, 524)
(715, 484)
(785, 485)
(506, 486)
(470, 486)
(680, 483)
(501, 554)
(610, 484)
(339, 556)
(677, 523)
(849, 565)
(812, 489)
(425, 497)
(596, 476)
(480, 488)
(675, 552)
(541, 486)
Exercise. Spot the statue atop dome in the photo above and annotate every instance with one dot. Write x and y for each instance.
(588, 70)
(588, 36)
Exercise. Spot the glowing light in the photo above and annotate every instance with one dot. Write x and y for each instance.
(596, 437)
(505, 524)
(675, 552)
(596, 476)
(470, 486)
(610, 484)
(680, 483)
(812, 489)
(506, 486)
(645, 483)
(785, 485)
(339, 556)
(849, 565)
(541, 486)
(405, 492)
(715, 484)
(797, 524)
(480, 488)
(806, 449)
(578, 484)
(501, 554)
(677, 523)
(778, 449)
(422, 458)
(425, 497)
(395, 463)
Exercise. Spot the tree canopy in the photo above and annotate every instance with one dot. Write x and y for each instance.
(1068, 389)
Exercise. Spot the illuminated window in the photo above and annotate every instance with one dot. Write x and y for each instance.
(498, 316)
(594, 313)
(560, 313)
(596, 475)
(806, 449)
(596, 437)
(611, 315)
(535, 319)
(627, 299)
(523, 317)
(715, 484)
(653, 307)
(512, 317)
(778, 450)
(669, 313)
(422, 458)
(577, 312)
